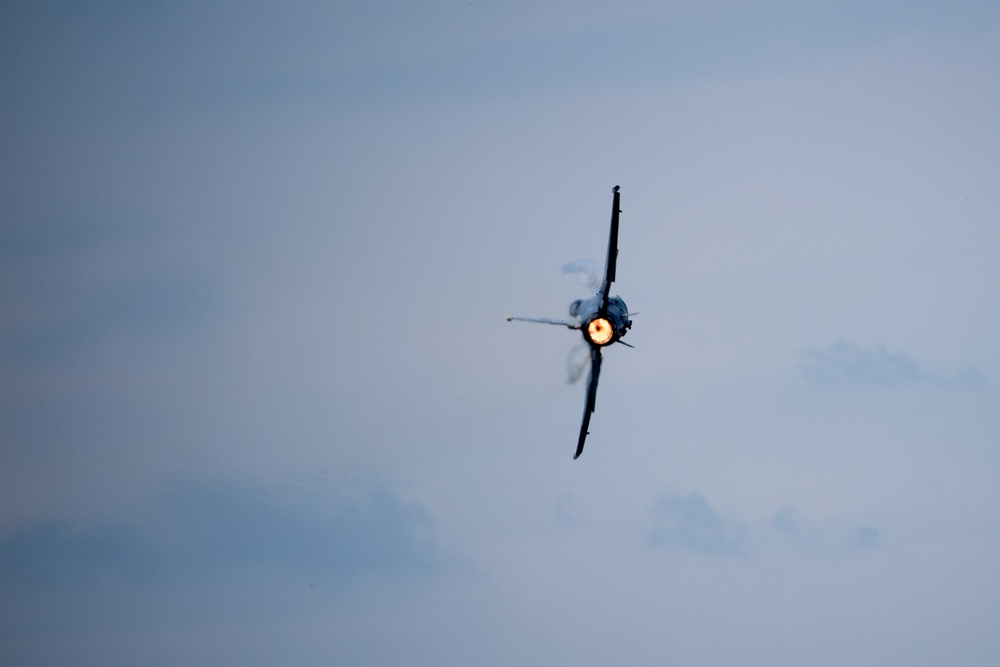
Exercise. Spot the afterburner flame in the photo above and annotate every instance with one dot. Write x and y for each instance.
(599, 331)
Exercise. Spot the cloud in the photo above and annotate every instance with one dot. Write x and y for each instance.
(866, 537)
(184, 553)
(689, 522)
(836, 538)
(848, 365)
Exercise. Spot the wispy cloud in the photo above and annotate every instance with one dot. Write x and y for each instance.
(828, 539)
(847, 365)
(689, 522)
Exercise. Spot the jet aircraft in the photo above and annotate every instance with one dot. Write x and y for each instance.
(603, 319)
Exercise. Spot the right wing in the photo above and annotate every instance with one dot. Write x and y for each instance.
(595, 374)
(612, 262)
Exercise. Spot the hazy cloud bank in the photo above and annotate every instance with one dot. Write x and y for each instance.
(848, 365)
(197, 535)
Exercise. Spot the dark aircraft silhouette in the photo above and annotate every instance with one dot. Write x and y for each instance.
(603, 319)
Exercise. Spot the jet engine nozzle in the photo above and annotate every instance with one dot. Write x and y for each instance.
(599, 331)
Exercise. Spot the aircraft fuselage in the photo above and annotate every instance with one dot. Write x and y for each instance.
(598, 328)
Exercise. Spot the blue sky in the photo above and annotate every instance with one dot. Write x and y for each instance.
(259, 403)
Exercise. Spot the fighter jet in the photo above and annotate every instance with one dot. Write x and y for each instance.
(603, 319)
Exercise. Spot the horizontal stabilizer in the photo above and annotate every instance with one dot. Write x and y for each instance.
(572, 324)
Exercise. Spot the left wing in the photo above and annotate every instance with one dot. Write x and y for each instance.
(595, 374)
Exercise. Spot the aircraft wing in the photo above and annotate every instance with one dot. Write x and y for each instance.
(572, 324)
(612, 263)
(595, 374)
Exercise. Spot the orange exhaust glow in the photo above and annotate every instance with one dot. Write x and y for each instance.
(599, 331)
